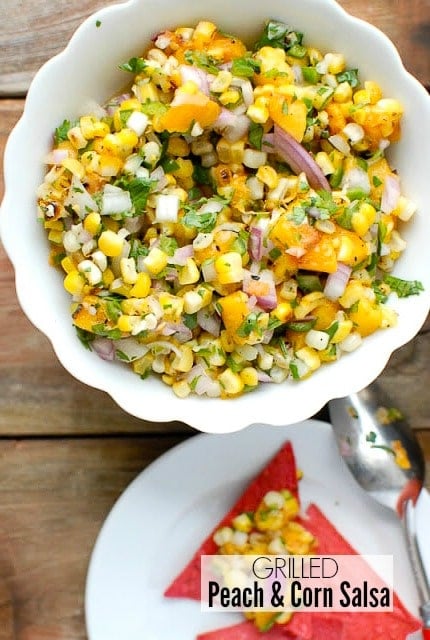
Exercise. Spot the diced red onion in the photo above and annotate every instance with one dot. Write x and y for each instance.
(206, 386)
(181, 255)
(181, 332)
(104, 348)
(296, 252)
(255, 243)
(196, 75)
(262, 287)
(336, 282)
(299, 159)
(298, 75)
(131, 348)
(390, 193)
(134, 224)
(262, 376)
(209, 322)
(268, 143)
(56, 156)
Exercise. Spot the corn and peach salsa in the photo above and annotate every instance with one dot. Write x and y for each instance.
(231, 219)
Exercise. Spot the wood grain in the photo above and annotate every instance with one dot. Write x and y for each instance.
(31, 31)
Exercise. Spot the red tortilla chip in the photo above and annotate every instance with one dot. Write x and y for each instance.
(279, 473)
(244, 631)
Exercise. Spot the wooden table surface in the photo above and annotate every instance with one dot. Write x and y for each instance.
(67, 451)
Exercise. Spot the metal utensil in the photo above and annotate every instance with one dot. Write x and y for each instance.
(383, 455)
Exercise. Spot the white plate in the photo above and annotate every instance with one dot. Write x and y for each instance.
(169, 509)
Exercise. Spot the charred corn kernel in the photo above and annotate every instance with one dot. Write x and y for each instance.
(91, 127)
(128, 270)
(242, 522)
(343, 92)
(184, 169)
(204, 31)
(343, 330)
(125, 323)
(76, 137)
(229, 268)
(189, 274)
(92, 222)
(230, 97)
(310, 357)
(155, 261)
(335, 62)
(110, 243)
(185, 361)
(178, 146)
(142, 285)
(363, 219)
(108, 277)
(55, 236)
(268, 176)
(74, 283)
(249, 376)
(68, 265)
(181, 389)
(258, 113)
(231, 382)
(74, 166)
(121, 143)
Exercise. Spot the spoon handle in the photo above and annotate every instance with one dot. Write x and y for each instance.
(421, 579)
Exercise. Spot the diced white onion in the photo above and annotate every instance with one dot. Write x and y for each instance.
(91, 271)
(356, 178)
(71, 242)
(339, 143)
(274, 499)
(115, 200)
(351, 342)
(354, 132)
(167, 207)
(254, 159)
(317, 339)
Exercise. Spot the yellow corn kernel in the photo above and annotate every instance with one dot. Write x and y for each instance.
(55, 236)
(363, 218)
(249, 376)
(74, 283)
(231, 382)
(258, 113)
(110, 243)
(343, 92)
(229, 268)
(109, 166)
(323, 161)
(92, 222)
(192, 302)
(74, 166)
(184, 170)
(204, 31)
(142, 286)
(189, 87)
(91, 127)
(178, 146)
(189, 274)
(391, 106)
(76, 138)
(266, 90)
(56, 225)
(155, 261)
(242, 522)
(125, 323)
(108, 277)
(353, 292)
(283, 312)
(68, 265)
(268, 176)
(128, 270)
(310, 357)
(231, 96)
(389, 317)
(374, 91)
(230, 152)
(361, 97)
(181, 389)
(307, 304)
(343, 330)
(172, 305)
(185, 361)
(121, 143)
(147, 92)
(227, 343)
(134, 306)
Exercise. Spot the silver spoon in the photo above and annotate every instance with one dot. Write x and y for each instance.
(369, 431)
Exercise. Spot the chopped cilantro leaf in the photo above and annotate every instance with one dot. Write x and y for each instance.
(202, 60)
(134, 65)
(255, 135)
(139, 189)
(349, 75)
(60, 134)
(403, 288)
(245, 67)
(85, 337)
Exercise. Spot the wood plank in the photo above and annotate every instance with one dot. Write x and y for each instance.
(31, 31)
(54, 497)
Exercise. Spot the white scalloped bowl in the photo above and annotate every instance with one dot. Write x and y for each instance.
(87, 70)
